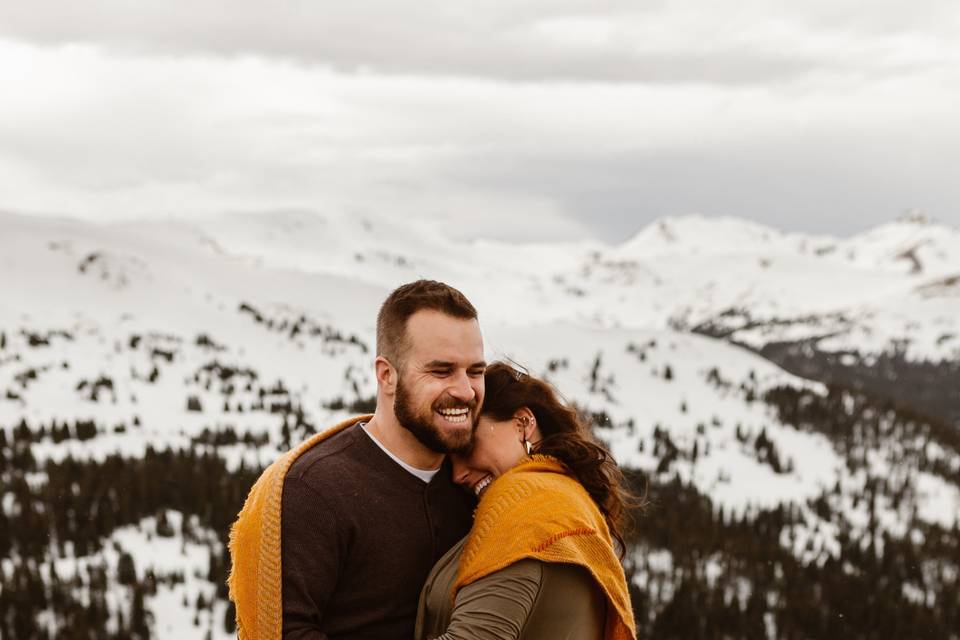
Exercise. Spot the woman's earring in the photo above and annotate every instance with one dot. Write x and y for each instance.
(528, 446)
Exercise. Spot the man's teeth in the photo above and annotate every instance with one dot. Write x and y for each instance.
(454, 415)
(480, 486)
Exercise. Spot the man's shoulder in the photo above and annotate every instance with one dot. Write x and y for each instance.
(330, 457)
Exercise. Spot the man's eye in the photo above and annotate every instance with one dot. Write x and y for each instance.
(440, 372)
(476, 373)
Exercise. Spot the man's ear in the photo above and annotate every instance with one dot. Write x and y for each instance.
(387, 375)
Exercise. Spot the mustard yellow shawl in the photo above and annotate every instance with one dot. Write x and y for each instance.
(535, 510)
(255, 577)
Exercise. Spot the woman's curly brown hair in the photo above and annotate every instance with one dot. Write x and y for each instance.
(566, 436)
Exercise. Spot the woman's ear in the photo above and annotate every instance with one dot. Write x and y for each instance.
(527, 423)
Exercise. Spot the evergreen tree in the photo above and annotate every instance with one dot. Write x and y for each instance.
(126, 569)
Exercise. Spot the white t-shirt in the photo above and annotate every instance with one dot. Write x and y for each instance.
(425, 475)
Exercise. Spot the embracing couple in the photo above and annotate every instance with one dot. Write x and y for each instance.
(472, 504)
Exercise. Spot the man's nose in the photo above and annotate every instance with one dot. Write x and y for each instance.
(462, 389)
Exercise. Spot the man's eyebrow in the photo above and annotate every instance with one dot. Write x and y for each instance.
(445, 364)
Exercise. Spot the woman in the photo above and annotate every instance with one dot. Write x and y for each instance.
(539, 562)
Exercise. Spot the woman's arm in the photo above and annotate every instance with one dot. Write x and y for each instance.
(497, 606)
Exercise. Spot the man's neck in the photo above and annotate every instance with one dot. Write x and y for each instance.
(403, 444)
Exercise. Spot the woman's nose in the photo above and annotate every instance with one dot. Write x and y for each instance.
(461, 472)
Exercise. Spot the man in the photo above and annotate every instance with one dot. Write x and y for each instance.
(369, 506)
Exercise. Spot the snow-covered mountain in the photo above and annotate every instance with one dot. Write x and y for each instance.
(757, 282)
(208, 345)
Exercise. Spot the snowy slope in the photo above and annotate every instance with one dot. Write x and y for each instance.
(236, 336)
(753, 283)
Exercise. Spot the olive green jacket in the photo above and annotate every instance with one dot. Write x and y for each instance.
(528, 600)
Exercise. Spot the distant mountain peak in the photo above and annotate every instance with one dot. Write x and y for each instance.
(700, 234)
(917, 217)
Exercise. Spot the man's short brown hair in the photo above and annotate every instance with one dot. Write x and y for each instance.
(405, 301)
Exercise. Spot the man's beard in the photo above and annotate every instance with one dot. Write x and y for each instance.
(422, 427)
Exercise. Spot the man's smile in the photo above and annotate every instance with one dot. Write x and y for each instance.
(455, 416)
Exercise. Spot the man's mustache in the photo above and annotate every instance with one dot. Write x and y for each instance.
(453, 403)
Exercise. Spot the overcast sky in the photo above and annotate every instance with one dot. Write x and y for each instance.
(523, 120)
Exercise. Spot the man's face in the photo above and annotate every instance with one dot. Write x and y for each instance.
(440, 385)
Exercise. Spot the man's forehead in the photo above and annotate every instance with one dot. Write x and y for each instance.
(434, 336)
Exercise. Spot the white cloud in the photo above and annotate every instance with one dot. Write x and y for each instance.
(482, 113)
(744, 41)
